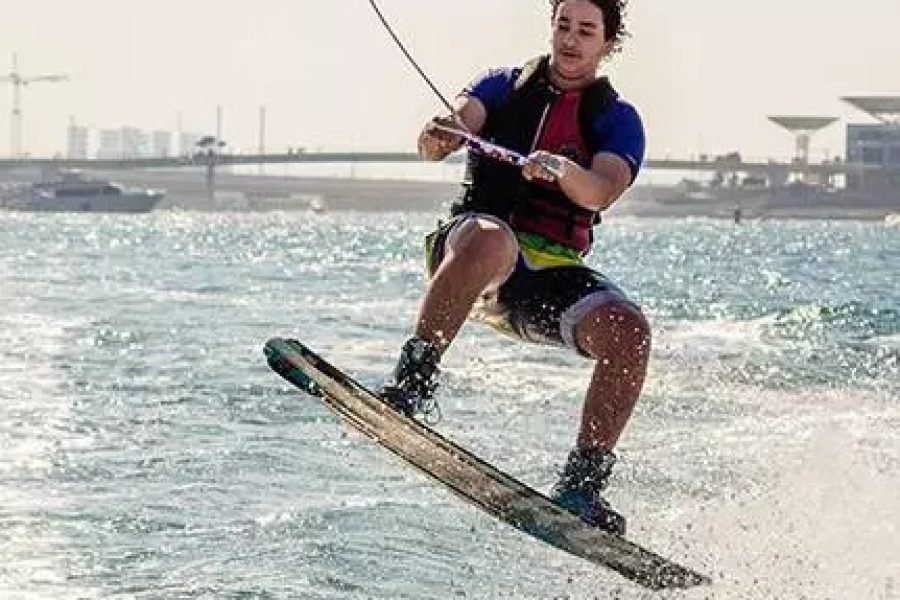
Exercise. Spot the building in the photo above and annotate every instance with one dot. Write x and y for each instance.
(135, 143)
(161, 144)
(125, 142)
(875, 145)
(130, 142)
(77, 141)
(110, 144)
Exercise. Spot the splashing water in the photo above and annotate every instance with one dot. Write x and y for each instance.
(149, 452)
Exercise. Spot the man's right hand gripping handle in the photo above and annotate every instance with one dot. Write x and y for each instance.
(436, 144)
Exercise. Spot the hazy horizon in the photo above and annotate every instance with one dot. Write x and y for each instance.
(703, 74)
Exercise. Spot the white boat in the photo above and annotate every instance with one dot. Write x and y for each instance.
(72, 191)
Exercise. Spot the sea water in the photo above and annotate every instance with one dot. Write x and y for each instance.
(146, 450)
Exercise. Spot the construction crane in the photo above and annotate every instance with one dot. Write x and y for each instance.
(18, 81)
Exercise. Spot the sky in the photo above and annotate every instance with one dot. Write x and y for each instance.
(704, 74)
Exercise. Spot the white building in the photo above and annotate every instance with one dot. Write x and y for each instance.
(124, 142)
(161, 143)
(131, 142)
(135, 142)
(110, 144)
(77, 141)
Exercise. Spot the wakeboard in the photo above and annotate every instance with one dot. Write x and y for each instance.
(470, 477)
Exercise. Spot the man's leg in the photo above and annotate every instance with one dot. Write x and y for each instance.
(578, 307)
(479, 254)
(617, 336)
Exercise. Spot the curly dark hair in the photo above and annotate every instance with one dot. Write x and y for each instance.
(614, 12)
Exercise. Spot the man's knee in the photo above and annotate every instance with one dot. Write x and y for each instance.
(487, 242)
(616, 325)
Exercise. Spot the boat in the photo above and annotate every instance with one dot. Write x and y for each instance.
(71, 190)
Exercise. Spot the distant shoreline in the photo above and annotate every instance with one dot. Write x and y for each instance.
(254, 193)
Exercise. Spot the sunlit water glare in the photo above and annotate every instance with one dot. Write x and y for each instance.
(147, 451)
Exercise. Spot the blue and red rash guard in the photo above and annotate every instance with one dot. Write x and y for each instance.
(618, 130)
(526, 112)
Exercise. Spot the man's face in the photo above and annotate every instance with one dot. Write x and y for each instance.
(579, 39)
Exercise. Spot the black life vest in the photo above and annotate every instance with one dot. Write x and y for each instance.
(499, 189)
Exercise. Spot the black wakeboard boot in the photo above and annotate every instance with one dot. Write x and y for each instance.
(578, 490)
(410, 390)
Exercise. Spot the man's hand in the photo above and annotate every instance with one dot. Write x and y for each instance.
(436, 144)
(544, 166)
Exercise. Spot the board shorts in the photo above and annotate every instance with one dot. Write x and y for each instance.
(548, 293)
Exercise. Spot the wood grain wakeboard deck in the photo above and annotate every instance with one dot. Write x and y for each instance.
(470, 477)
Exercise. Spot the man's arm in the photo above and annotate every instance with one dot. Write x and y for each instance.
(436, 144)
(595, 188)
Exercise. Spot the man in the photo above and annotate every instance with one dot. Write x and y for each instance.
(513, 249)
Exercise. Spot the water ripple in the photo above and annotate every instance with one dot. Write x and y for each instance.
(146, 451)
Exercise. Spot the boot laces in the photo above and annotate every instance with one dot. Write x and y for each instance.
(414, 381)
(588, 470)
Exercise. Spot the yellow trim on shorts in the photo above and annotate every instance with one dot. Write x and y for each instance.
(542, 253)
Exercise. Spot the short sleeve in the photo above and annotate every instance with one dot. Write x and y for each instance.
(621, 132)
(492, 87)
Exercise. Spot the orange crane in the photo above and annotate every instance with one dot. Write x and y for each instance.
(17, 80)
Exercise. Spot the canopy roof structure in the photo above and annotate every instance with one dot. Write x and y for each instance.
(803, 124)
(802, 128)
(884, 108)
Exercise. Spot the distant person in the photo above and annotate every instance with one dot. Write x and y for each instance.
(513, 248)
